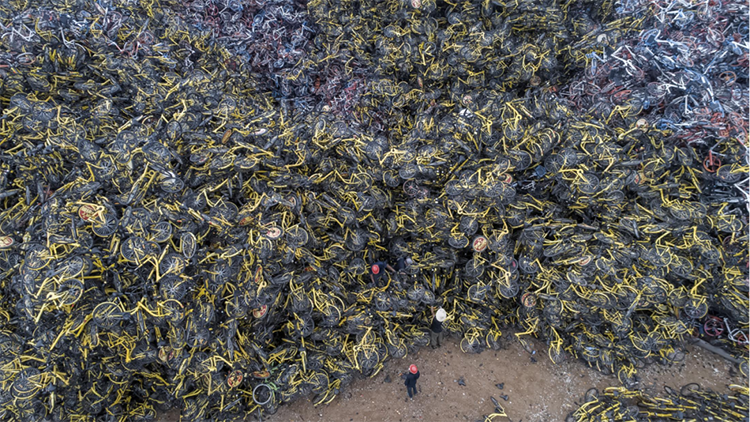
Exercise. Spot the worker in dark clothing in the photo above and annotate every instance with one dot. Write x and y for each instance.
(436, 328)
(377, 271)
(410, 381)
(403, 263)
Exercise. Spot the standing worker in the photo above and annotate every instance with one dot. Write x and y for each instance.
(410, 381)
(436, 328)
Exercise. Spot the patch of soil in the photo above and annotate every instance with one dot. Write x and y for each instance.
(536, 391)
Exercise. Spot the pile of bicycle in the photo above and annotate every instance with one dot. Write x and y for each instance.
(690, 403)
(192, 194)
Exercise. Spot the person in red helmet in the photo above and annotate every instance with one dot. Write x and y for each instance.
(377, 271)
(410, 381)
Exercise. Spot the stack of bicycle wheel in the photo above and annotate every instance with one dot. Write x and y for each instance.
(193, 194)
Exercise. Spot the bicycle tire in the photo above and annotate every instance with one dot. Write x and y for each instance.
(255, 394)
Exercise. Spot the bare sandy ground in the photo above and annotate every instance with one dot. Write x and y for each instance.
(536, 391)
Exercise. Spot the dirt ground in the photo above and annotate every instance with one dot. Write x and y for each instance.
(536, 391)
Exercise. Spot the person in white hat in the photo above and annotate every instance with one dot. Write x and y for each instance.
(436, 328)
(403, 263)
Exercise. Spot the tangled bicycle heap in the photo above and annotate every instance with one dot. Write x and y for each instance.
(193, 193)
(690, 403)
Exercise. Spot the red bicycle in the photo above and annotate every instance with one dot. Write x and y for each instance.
(715, 327)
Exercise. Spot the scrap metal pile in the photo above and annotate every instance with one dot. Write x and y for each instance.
(193, 193)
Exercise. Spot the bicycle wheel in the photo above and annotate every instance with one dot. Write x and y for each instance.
(473, 269)
(528, 265)
(519, 160)
(415, 293)
(70, 291)
(515, 217)
(355, 240)
(296, 236)
(731, 173)
(133, 249)
(172, 287)
(156, 153)
(27, 384)
(589, 184)
(172, 263)
(471, 345)
(508, 290)
(85, 242)
(408, 171)
(728, 224)
(107, 314)
(557, 355)
(660, 257)
(493, 340)
(37, 257)
(72, 267)
(690, 390)
(263, 394)
(397, 352)
(188, 244)
(711, 254)
(679, 211)
(458, 241)
(153, 251)
(391, 179)
(681, 266)
(695, 309)
(453, 188)
(468, 226)
(161, 232)
(476, 293)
